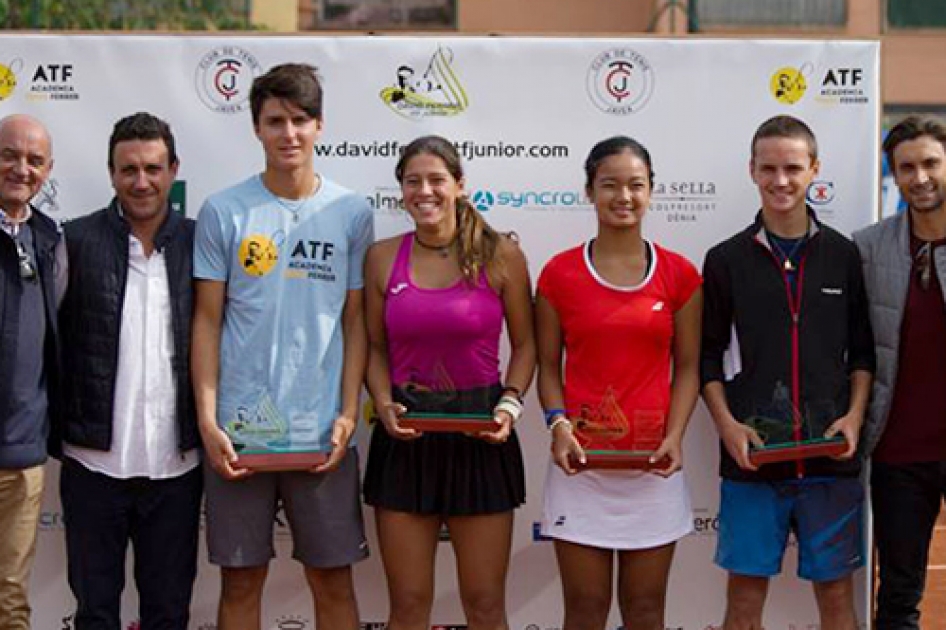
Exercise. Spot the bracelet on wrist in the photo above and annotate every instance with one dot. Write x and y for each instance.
(561, 420)
(551, 414)
(510, 405)
(515, 391)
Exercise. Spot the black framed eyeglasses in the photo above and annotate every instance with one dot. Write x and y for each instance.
(923, 264)
(27, 268)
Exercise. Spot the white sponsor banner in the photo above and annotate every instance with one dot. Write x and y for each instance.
(524, 113)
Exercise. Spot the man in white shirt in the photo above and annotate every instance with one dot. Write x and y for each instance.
(130, 462)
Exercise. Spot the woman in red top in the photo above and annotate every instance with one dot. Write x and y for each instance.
(624, 313)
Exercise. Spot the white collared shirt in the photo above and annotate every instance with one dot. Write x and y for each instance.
(144, 426)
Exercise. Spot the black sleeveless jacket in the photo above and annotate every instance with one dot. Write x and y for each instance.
(90, 322)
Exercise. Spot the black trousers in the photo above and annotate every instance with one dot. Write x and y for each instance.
(160, 518)
(905, 500)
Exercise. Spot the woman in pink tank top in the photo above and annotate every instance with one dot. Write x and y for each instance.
(437, 299)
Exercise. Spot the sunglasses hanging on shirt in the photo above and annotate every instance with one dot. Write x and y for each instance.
(27, 268)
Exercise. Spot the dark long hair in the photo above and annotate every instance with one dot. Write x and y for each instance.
(613, 146)
(477, 242)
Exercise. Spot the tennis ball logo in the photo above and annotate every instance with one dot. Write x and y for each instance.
(258, 255)
(788, 85)
(7, 81)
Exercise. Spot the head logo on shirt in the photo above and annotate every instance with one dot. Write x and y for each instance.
(258, 255)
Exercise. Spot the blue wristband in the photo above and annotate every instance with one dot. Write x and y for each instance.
(551, 414)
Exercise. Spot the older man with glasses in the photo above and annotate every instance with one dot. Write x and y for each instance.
(32, 276)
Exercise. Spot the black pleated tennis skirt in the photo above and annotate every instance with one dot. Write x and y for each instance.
(447, 474)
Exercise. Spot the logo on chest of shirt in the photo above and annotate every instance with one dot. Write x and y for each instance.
(313, 260)
(258, 255)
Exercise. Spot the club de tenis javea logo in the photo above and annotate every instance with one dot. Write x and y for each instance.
(424, 91)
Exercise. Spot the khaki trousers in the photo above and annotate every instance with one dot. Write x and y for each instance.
(20, 494)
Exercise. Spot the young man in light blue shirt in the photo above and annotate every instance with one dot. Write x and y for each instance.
(280, 344)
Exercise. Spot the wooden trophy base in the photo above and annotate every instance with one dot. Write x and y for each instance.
(791, 451)
(448, 423)
(621, 460)
(276, 461)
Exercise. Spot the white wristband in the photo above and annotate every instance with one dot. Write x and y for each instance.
(561, 420)
(511, 406)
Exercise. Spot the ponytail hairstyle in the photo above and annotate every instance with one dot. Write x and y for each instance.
(477, 242)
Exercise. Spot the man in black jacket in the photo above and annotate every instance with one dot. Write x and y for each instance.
(32, 272)
(130, 461)
(787, 351)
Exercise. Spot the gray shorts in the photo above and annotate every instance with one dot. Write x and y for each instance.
(323, 513)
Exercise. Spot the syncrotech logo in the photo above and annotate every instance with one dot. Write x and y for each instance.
(223, 78)
(620, 81)
(8, 79)
(485, 200)
(788, 84)
(434, 91)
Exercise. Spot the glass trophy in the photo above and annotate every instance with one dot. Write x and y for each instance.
(612, 440)
(262, 441)
(447, 411)
(790, 434)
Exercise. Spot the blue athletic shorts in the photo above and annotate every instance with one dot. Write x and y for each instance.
(825, 514)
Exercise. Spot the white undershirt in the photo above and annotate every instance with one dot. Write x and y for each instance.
(144, 426)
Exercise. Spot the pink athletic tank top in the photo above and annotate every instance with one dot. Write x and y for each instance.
(441, 339)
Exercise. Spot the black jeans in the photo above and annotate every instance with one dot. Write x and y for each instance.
(905, 500)
(161, 520)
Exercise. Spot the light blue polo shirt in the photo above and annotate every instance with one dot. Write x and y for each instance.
(288, 266)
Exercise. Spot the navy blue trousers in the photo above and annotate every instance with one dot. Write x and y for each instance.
(159, 518)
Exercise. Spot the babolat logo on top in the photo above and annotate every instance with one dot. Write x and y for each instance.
(311, 260)
(223, 78)
(429, 89)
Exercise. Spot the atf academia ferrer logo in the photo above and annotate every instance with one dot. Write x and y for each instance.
(620, 81)
(436, 91)
(788, 84)
(258, 255)
(8, 74)
(53, 82)
(842, 86)
(535, 200)
(223, 78)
